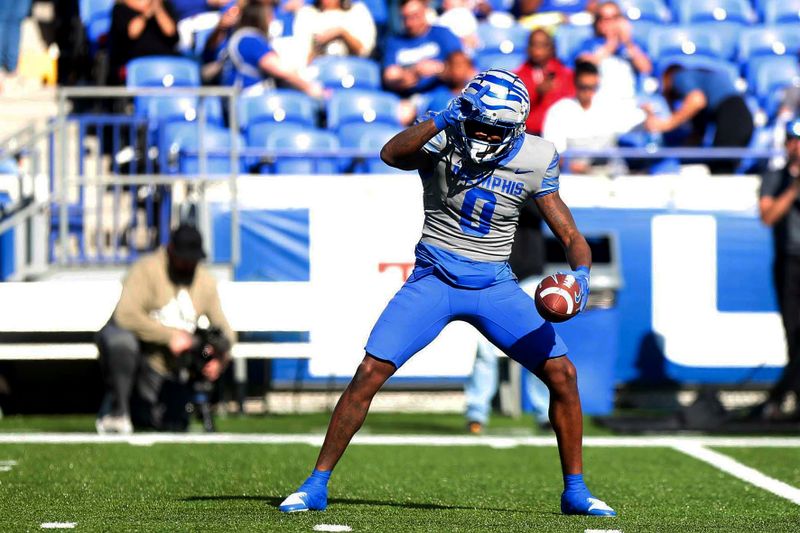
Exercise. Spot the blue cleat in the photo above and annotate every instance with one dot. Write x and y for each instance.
(583, 503)
(309, 497)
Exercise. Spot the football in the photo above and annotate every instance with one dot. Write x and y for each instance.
(558, 297)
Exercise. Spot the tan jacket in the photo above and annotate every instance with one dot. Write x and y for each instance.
(147, 289)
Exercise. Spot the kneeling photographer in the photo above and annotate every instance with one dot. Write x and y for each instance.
(166, 343)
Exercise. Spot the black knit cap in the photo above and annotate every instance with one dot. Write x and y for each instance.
(187, 243)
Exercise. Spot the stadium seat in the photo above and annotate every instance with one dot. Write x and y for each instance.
(379, 11)
(761, 41)
(781, 12)
(176, 137)
(280, 106)
(690, 41)
(645, 11)
(370, 137)
(487, 60)
(726, 32)
(163, 109)
(162, 71)
(762, 139)
(690, 11)
(296, 138)
(568, 40)
(493, 38)
(347, 107)
(336, 72)
(770, 73)
(564, 6)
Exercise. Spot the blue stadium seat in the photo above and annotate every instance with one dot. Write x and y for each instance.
(163, 109)
(487, 60)
(505, 40)
(370, 137)
(162, 71)
(645, 10)
(347, 107)
(690, 41)
(565, 6)
(296, 138)
(176, 137)
(770, 73)
(568, 40)
(96, 18)
(279, 105)
(726, 32)
(379, 11)
(781, 11)
(740, 11)
(337, 72)
(768, 41)
(642, 30)
(762, 139)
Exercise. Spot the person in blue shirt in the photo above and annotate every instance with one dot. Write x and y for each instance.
(414, 62)
(250, 60)
(704, 97)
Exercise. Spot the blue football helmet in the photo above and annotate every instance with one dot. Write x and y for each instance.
(505, 107)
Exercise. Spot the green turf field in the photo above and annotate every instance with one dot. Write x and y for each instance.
(236, 487)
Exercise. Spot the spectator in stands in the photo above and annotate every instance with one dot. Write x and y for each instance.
(527, 263)
(249, 60)
(194, 16)
(581, 122)
(615, 53)
(547, 79)
(705, 97)
(163, 296)
(139, 28)
(414, 61)
(458, 17)
(12, 13)
(460, 70)
(780, 209)
(335, 27)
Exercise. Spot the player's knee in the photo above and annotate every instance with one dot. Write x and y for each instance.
(561, 374)
(371, 374)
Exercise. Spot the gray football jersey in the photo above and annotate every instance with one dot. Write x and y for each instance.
(472, 209)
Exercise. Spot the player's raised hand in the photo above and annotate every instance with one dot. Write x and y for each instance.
(460, 109)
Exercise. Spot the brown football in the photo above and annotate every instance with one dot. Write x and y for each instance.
(558, 298)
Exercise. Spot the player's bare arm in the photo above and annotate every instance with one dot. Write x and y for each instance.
(404, 150)
(559, 219)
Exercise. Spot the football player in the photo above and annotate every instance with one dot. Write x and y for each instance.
(477, 167)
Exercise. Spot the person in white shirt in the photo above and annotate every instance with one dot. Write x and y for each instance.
(335, 27)
(581, 123)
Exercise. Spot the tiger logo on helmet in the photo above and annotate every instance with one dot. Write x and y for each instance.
(505, 105)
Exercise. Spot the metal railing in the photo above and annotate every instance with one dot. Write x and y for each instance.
(104, 171)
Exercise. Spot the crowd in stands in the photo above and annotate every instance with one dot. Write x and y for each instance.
(600, 73)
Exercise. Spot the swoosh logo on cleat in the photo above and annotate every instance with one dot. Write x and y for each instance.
(295, 499)
(598, 505)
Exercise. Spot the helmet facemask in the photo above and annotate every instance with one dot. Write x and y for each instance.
(483, 141)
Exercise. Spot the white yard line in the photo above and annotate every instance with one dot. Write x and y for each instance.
(737, 469)
(145, 439)
(58, 525)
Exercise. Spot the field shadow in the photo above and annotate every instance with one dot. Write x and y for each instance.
(276, 500)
